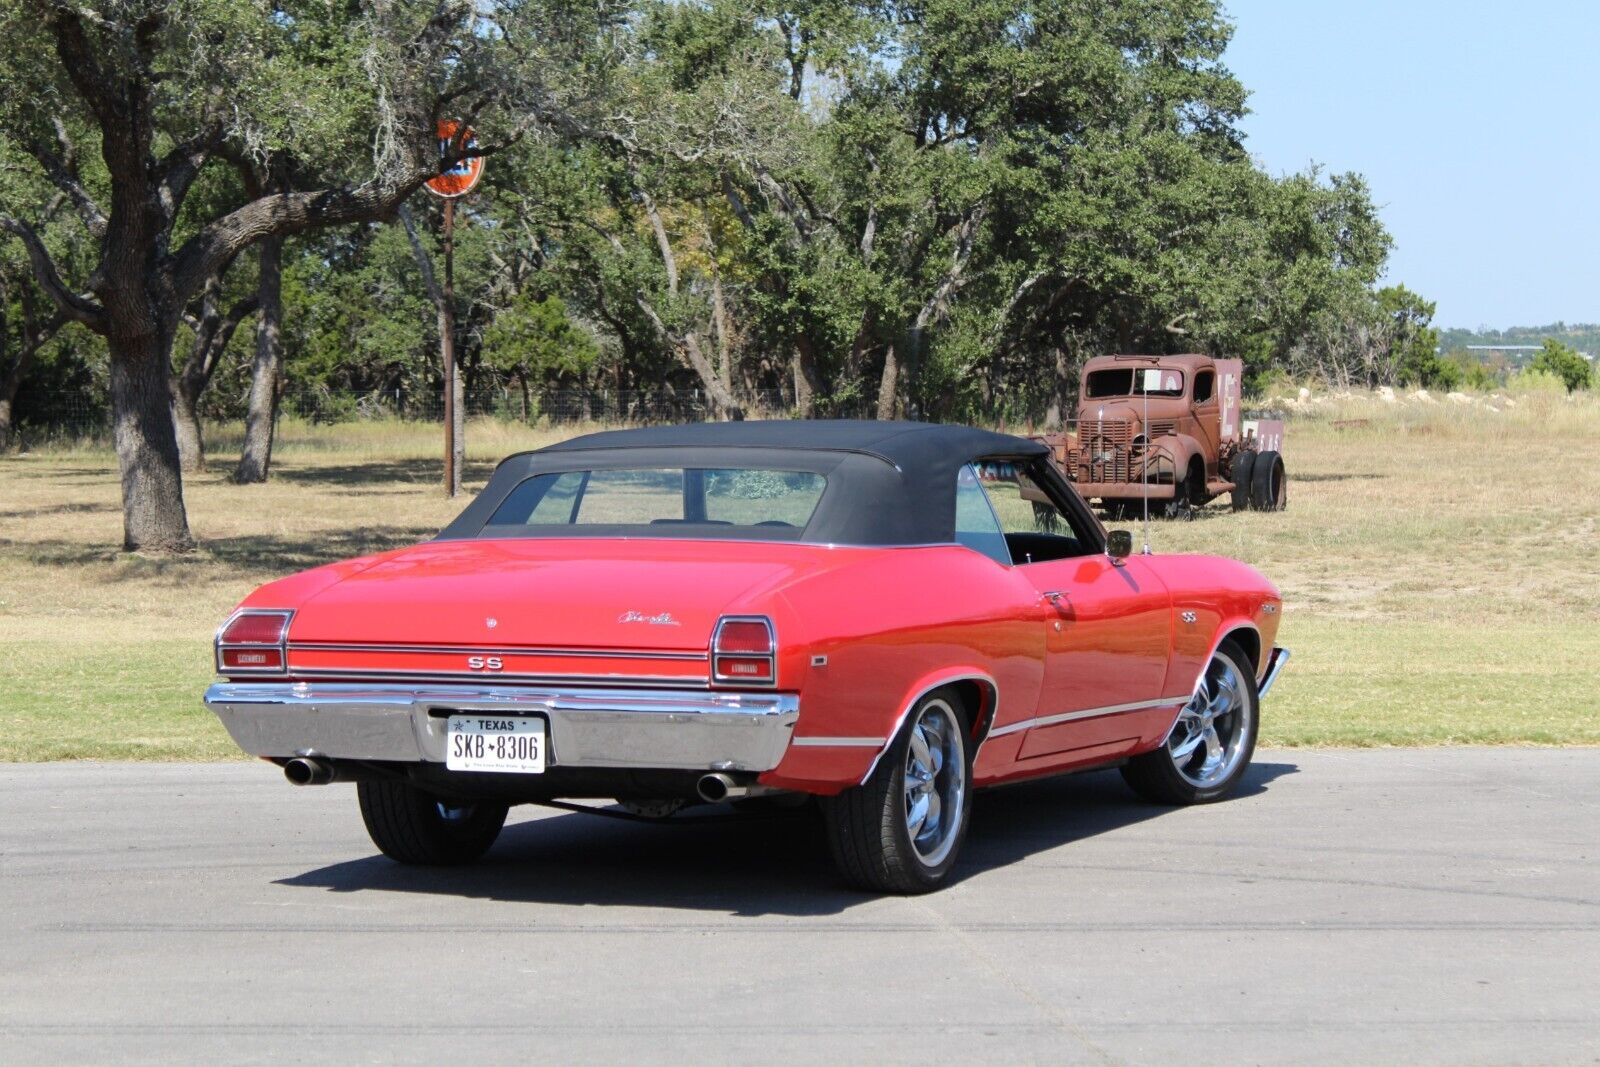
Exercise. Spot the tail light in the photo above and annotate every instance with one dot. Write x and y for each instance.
(254, 641)
(744, 651)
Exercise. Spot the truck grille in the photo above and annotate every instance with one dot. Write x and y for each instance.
(1104, 452)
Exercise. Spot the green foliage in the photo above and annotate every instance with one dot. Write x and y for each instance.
(1563, 362)
(1534, 380)
(1414, 343)
(980, 193)
(534, 337)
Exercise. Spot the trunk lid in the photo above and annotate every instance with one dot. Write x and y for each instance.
(638, 594)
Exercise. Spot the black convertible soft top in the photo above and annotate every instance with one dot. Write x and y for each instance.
(889, 483)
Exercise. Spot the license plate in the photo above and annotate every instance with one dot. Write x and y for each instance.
(505, 744)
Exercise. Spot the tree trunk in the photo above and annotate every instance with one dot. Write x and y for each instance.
(527, 398)
(260, 421)
(889, 384)
(153, 516)
(806, 382)
(186, 424)
(212, 332)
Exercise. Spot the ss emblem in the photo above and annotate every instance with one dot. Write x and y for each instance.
(483, 663)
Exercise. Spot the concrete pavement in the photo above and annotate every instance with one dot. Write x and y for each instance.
(1432, 906)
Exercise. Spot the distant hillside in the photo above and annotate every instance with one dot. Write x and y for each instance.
(1584, 336)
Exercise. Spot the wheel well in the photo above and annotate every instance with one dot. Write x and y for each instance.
(1249, 641)
(979, 699)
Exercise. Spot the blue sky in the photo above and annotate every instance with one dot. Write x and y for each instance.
(1478, 126)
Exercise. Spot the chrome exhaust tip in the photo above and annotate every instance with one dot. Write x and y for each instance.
(303, 770)
(715, 788)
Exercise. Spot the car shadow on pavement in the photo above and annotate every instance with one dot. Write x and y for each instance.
(760, 864)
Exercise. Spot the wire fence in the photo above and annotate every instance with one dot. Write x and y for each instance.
(82, 418)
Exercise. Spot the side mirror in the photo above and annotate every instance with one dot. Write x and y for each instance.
(1119, 545)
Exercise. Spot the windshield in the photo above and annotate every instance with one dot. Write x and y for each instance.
(729, 502)
(1133, 381)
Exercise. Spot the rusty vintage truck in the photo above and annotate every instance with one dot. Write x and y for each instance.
(1170, 430)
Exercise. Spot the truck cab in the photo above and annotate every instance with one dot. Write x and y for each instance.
(1166, 429)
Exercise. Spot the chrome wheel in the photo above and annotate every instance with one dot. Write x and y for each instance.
(1213, 731)
(455, 813)
(935, 782)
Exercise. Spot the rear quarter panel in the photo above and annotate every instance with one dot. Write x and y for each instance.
(891, 626)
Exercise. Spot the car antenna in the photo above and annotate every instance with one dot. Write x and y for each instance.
(1144, 468)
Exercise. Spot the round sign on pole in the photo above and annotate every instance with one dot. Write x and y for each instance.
(455, 179)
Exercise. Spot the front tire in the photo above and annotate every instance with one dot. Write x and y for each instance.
(902, 830)
(1210, 745)
(414, 827)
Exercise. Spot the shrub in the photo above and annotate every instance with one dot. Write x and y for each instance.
(1535, 380)
(1565, 363)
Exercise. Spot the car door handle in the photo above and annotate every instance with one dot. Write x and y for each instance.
(1056, 596)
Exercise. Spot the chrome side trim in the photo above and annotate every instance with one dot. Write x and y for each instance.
(838, 742)
(487, 650)
(1086, 713)
(1275, 665)
(682, 730)
(900, 720)
(688, 681)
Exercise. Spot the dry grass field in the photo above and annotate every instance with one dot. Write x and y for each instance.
(1438, 563)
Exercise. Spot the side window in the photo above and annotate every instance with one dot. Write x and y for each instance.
(556, 507)
(1035, 530)
(976, 525)
(1205, 383)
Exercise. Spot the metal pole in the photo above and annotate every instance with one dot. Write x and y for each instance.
(447, 351)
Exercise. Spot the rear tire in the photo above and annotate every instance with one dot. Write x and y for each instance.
(897, 833)
(1211, 743)
(1244, 465)
(413, 827)
(1268, 485)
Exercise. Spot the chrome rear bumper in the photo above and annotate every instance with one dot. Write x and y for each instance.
(637, 728)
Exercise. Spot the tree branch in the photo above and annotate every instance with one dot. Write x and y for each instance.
(182, 165)
(424, 261)
(62, 171)
(668, 260)
(75, 307)
(282, 215)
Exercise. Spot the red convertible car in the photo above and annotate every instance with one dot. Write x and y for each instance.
(885, 616)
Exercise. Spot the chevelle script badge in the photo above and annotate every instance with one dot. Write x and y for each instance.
(663, 619)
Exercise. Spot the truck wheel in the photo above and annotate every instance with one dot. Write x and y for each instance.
(1195, 485)
(901, 831)
(1267, 483)
(1244, 465)
(1211, 742)
(413, 827)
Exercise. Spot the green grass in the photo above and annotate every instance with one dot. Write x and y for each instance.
(124, 700)
(1418, 683)
(1438, 565)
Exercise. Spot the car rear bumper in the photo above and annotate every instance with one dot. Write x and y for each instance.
(628, 728)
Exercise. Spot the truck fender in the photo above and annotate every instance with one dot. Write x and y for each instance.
(1181, 447)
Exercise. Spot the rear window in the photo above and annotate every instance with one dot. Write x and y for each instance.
(1130, 381)
(729, 499)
